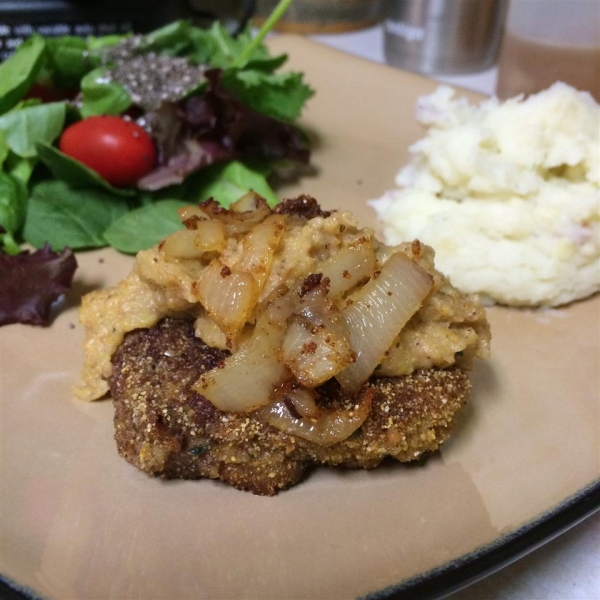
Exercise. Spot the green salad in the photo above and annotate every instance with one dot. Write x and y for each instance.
(103, 139)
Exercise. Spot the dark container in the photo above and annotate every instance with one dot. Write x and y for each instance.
(21, 18)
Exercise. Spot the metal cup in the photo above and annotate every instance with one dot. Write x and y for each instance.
(443, 36)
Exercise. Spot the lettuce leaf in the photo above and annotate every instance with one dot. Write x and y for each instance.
(68, 60)
(26, 127)
(143, 227)
(74, 173)
(20, 70)
(228, 182)
(13, 207)
(225, 49)
(101, 96)
(215, 127)
(281, 96)
(63, 216)
(4, 149)
(173, 39)
(31, 282)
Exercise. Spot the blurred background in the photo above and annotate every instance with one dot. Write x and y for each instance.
(492, 46)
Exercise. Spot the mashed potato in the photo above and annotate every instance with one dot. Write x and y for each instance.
(508, 194)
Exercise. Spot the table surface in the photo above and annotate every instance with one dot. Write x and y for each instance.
(568, 567)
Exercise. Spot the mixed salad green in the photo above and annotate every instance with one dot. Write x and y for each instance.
(75, 112)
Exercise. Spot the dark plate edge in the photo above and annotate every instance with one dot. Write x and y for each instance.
(483, 561)
(11, 590)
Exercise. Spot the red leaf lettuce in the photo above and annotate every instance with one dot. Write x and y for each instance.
(31, 282)
(213, 127)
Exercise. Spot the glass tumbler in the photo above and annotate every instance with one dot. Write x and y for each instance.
(547, 41)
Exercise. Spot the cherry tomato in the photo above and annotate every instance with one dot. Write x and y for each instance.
(118, 150)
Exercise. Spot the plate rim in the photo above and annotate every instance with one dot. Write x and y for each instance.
(473, 566)
(460, 572)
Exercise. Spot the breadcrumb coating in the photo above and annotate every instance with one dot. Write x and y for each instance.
(166, 429)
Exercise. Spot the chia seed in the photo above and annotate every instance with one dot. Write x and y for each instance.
(151, 78)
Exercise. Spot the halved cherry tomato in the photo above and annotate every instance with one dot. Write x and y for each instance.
(118, 150)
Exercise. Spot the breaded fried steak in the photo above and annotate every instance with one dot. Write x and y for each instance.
(256, 343)
(165, 428)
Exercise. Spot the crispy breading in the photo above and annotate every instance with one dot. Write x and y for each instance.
(167, 430)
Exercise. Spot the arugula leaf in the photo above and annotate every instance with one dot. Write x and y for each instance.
(4, 149)
(64, 216)
(143, 227)
(8, 245)
(26, 103)
(227, 182)
(13, 201)
(74, 173)
(18, 167)
(20, 70)
(202, 46)
(13, 206)
(101, 96)
(68, 60)
(225, 49)
(26, 127)
(98, 43)
(172, 39)
(267, 64)
(280, 96)
(255, 45)
(214, 46)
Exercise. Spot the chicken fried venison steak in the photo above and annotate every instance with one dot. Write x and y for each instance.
(256, 344)
(165, 428)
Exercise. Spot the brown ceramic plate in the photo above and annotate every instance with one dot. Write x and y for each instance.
(79, 522)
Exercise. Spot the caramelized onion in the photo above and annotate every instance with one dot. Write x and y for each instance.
(304, 401)
(227, 295)
(329, 427)
(192, 212)
(249, 201)
(235, 220)
(378, 312)
(313, 353)
(348, 267)
(316, 346)
(317, 308)
(247, 378)
(259, 246)
(300, 333)
(207, 236)
(211, 334)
